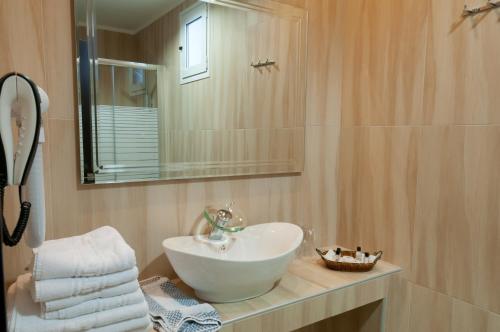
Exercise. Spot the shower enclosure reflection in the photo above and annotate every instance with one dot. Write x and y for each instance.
(127, 121)
(170, 89)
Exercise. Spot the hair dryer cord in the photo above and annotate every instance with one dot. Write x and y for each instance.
(8, 239)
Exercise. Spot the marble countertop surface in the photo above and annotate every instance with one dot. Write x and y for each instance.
(306, 278)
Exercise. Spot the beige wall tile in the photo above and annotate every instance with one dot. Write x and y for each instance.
(454, 214)
(433, 311)
(482, 190)
(445, 181)
(324, 76)
(377, 188)
(440, 208)
(58, 35)
(461, 66)
(398, 301)
(423, 66)
(318, 205)
(383, 61)
(430, 311)
(68, 201)
(21, 39)
(457, 214)
(493, 322)
(469, 318)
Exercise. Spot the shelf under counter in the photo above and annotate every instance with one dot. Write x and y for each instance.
(309, 293)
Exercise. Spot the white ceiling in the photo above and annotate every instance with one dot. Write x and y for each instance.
(129, 16)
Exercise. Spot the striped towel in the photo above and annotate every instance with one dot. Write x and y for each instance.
(171, 310)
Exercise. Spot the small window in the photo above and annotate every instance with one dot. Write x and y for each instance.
(194, 43)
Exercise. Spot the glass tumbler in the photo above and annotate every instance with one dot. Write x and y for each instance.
(307, 248)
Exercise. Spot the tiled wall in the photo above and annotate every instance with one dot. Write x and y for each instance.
(36, 39)
(420, 156)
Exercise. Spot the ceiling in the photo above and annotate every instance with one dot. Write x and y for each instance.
(128, 16)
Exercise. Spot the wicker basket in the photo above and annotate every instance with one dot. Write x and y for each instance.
(348, 267)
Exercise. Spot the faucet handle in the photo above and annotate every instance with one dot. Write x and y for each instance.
(223, 217)
(227, 219)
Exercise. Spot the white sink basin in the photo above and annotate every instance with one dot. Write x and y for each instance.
(247, 264)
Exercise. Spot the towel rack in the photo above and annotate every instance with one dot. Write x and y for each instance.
(488, 6)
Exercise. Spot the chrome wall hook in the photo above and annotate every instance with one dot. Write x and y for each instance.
(263, 64)
(491, 4)
(494, 4)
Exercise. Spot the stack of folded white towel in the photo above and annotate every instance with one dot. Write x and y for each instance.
(81, 283)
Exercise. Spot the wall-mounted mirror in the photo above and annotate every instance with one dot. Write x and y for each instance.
(173, 89)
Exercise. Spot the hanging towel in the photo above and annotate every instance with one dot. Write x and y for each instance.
(101, 251)
(100, 304)
(25, 316)
(51, 289)
(68, 302)
(172, 310)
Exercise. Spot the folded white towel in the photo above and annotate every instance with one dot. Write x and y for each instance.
(68, 302)
(51, 289)
(25, 315)
(96, 305)
(142, 324)
(101, 251)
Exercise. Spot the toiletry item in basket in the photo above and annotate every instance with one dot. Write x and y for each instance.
(366, 258)
(338, 254)
(359, 254)
(331, 255)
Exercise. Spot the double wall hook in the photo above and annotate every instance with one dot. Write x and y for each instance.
(262, 64)
(491, 4)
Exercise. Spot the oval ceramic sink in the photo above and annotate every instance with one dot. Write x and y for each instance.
(247, 264)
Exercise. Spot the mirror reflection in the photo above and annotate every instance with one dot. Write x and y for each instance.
(187, 89)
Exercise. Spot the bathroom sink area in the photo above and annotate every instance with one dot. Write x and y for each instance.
(240, 266)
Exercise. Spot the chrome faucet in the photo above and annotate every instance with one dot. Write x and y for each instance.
(222, 218)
